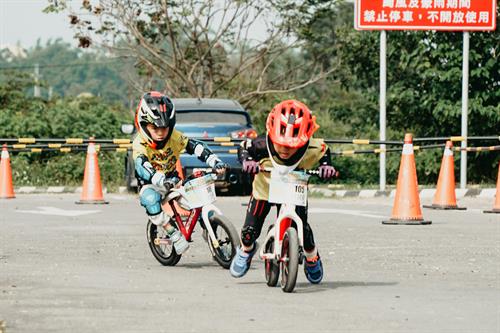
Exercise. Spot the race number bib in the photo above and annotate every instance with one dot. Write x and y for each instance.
(290, 188)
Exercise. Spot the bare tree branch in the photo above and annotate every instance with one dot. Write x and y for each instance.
(203, 47)
(293, 88)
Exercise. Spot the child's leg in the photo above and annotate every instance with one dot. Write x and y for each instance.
(256, 214)
(150, 199)
(313, 267)
(309, 245)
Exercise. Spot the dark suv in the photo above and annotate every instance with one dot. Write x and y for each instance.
(207, 119)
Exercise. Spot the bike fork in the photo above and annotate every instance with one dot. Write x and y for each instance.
(206, 221)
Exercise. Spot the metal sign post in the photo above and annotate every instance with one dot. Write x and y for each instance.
(383, 84)
(450, 15)
(465, 107)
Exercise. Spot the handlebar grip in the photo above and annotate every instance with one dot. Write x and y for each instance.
(313, 172)
(316, 173)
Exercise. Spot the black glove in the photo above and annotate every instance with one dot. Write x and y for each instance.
(220, 167)
(171, 182)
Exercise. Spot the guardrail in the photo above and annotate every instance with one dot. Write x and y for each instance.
(67, 145)
(227, 141)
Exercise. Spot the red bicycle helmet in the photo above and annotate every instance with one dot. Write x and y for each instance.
(291, 124)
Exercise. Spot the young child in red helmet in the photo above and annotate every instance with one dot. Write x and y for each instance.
(155, 151)
(290, 126)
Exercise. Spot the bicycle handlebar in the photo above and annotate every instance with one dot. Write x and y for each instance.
(311, 172)
(192, 176)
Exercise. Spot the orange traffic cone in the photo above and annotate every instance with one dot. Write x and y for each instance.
(178, 168)
(6, 187)
(406, 208)
(445, 197)
(92, 190)
(496, 207)
(166, 206)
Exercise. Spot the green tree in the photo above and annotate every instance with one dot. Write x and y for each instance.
(424, 85)
(24, 116)
(199, 48)
(69, 71)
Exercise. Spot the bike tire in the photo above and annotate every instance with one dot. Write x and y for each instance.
(165, 254)
(271, 266)
(228, 239)
(289, 260)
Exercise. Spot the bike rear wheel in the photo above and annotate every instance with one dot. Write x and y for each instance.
(162, 250)
(289, 260)
(271, 266)
(228, 239)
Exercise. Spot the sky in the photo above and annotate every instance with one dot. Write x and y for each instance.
(23, 21)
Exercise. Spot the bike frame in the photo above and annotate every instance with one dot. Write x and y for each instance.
(187, 228)
(286, 217)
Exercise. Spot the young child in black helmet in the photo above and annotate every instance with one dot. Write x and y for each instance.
(155, 151)
(288, 141)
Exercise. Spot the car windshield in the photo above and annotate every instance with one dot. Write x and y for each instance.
(210, 117)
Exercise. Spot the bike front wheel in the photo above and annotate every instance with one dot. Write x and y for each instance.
(271, 266)
(289, 260)
(228, 240)
(161, 247)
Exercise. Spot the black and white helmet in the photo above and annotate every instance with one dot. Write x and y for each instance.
(159, 110)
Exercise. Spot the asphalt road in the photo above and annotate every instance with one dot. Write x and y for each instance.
(73, 268)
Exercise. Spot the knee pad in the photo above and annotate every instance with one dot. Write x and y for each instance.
(150, 199)
(248, 235)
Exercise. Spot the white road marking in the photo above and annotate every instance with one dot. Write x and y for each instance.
(344, 211)
(58, 211)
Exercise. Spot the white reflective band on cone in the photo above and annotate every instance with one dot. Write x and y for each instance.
(5, 154)
(408, 149)
(91, 149)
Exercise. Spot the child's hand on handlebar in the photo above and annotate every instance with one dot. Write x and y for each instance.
(220, 168)
(250, 166)
(327, 171)
(173, 182)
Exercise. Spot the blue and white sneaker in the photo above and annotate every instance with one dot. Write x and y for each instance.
(241, 262)
(313, 268)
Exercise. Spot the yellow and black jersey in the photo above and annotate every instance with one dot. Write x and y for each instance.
(163, 159)
(149, 161)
